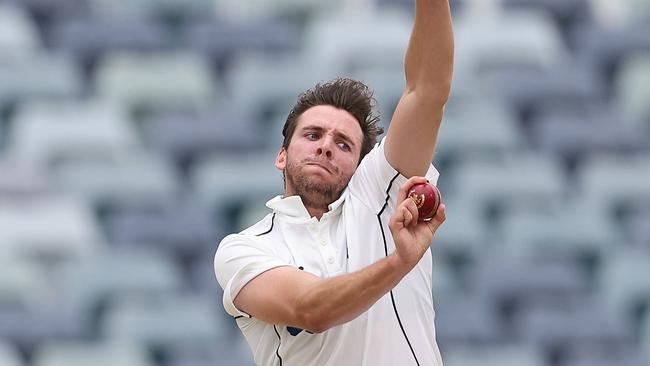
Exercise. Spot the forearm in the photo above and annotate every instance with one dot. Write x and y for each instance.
(340, 299)
(429, 57)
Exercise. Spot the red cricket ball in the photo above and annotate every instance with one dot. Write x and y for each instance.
(427, 198)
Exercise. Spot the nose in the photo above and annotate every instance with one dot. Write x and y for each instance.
(325, 147)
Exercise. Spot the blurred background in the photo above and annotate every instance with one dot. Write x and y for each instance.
(135, 134)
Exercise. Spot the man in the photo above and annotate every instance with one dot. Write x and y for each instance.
(339, 273)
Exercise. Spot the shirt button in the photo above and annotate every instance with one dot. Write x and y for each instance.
(323, 243)
(330, 260)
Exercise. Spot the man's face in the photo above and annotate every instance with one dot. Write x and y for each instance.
(322, 155)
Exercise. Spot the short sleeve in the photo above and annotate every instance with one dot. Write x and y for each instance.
(375, 179)
(238, 260)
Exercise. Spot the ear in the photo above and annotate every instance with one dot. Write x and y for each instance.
(281, 159)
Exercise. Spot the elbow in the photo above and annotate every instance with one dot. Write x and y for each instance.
(316, 323)
(434, 94)
(313, 320)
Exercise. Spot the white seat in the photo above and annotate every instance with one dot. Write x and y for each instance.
(633, 87)
(9, 355)
(160, 79)
(24, 285)
(512, 182)
(524, 38)
(576, 230)
(254, 10)
(18, 34)
(220, 181)
(52, 227)
(610, 181)
(96, 354)
(511, 355)
(20, 179)
(166, 321)
(343, 44)
(39, 75)
(478, 128)
(623, 281)
(49, 131)
(138, 179)
(149, 9)
(615, 13)
(115, 273)
(259, 83)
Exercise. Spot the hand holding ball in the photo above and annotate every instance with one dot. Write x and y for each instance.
(427, 198)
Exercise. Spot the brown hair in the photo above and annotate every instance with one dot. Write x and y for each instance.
(350, 95)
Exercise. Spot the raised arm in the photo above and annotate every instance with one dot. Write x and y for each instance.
(413, 131)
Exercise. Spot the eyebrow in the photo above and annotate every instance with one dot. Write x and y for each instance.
(337, 133)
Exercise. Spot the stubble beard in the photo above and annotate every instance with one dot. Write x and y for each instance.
(313, 192)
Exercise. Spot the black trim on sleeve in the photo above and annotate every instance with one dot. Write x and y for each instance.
(392, 297)
(277, 351)
(271, 228)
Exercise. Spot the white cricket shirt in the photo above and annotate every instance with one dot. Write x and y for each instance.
(397, 330)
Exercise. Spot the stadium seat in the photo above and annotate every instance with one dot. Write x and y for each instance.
(531, 91)
(525, 180)
(53, 228)
(49, 132)
(163, 322)
(465, 319)
(133, 180)
(182, 227)
(622, 282)
(512, 38)
(22, 180)
(260, 85)
(341, 45)
(582, 325)
(9, 355)
(575, 232)
(217, 181)
(248, 11)
(223, 41)
(18, 33)
(603, 49)
(40, 75)
(478, 129)
(633, 89)
(628, 175)
(574, 136)
(94, 284)
(184, 137)
(151, 9)
(156, 80)
(495, 355)
(89, 40)
(91, 353)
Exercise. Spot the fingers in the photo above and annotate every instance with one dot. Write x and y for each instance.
(438, 219)
(406, 213)
(406, 187)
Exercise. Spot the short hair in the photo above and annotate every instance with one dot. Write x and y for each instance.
(350, 95)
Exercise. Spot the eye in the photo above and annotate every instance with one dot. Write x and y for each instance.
(313, 136)
(344, 146)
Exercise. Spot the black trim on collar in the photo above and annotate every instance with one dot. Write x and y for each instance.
(271, 228)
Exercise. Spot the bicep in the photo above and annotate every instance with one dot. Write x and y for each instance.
(412, 134)
(273, 295)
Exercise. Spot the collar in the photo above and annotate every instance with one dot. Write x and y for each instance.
(292, 206)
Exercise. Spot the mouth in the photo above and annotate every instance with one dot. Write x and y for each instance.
(320, 166)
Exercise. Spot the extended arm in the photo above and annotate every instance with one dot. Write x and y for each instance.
(413, 131)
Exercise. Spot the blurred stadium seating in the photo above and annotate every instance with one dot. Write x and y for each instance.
(135, 134)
